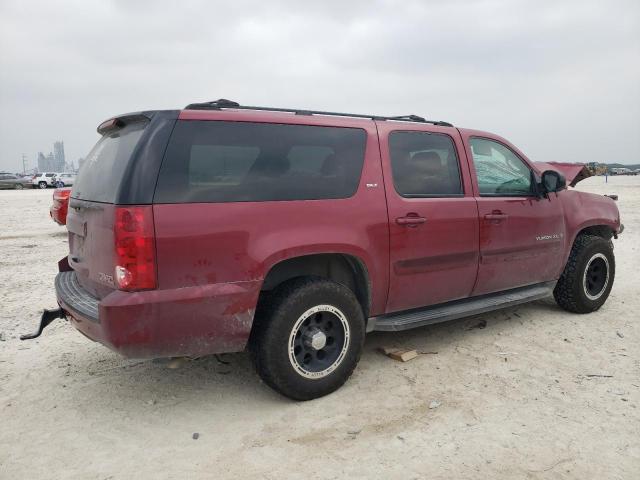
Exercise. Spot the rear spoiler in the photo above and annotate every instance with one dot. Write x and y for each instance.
(573, 172)
(116, 123)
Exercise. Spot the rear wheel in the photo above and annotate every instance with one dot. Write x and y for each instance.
(42, 185)
(19, 186)
(308, 338)
(588, 277)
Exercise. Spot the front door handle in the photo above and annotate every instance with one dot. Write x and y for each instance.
(496, 216)
(411, 220)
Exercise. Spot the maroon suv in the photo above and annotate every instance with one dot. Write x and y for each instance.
(294, 232)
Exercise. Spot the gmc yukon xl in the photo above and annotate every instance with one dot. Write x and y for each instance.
(292, 233)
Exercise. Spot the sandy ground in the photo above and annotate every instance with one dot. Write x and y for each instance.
(538, 393)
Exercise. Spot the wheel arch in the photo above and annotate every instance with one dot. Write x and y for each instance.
(344, 268)
(596, 228)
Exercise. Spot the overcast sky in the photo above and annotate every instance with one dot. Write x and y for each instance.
(560, 79)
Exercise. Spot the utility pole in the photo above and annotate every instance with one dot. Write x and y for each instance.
(24, 164)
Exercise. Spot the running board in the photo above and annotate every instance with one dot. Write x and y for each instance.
(459, 309)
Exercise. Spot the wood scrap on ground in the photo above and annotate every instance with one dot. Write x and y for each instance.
(399, 354)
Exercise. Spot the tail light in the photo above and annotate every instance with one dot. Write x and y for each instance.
(61, 193)
(135, 249)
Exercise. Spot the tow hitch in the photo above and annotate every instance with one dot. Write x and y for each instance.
(48, 316)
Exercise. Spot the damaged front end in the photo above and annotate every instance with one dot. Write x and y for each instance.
(572, 172)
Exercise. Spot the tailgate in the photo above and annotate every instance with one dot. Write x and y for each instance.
(91, 215)
(91, 245)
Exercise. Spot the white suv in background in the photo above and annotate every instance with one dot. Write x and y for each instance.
(65, 179)
(44, 180)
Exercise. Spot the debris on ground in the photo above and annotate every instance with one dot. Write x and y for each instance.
(434, 404)
(177, 362)
(399, 354)
(620, 334)
(195, 436)
(481, 324)
(2, 339)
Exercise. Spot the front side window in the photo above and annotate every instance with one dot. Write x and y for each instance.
(500, 172)
(424, 164)
(217, 161)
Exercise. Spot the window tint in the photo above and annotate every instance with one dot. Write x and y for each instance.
(50, 175)
(102, 171)
(214, 161)
(500, 171)
(424, 164)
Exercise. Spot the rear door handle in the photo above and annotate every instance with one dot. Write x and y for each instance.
(411, 220)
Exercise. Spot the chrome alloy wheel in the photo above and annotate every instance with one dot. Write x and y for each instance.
(319, 341)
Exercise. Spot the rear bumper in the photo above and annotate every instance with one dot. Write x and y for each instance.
(191, 321)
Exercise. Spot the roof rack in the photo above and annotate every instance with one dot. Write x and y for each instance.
(223, 103)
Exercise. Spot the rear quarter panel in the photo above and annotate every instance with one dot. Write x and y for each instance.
(216, 243)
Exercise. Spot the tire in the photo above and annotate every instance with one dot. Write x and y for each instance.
(308, 338)
(588, 277)
(42, 185)
(19, 186)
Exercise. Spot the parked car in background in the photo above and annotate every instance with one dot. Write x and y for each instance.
(293, 233)
(10, 181)
(65, 179)
(60, 205)
(44, 180)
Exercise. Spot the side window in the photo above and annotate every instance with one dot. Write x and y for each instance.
(220, 165)
(217, 161)
(424, 164)
(500, 171)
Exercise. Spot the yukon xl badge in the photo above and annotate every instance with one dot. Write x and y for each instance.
(553, 236)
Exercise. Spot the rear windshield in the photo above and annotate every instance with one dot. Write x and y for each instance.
(103, 169)
(215, 161)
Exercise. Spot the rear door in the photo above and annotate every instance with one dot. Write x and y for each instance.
(433, 217)
(521, 235)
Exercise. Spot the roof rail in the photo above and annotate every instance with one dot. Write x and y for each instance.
(224, 103)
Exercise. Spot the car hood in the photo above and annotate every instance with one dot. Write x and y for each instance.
(573, 172)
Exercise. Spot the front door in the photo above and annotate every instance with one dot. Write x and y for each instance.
(433, 217)
(521, 235)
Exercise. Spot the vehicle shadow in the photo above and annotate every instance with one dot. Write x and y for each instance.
(221, 381)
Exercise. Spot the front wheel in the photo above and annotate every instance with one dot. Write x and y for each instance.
(42, 185)
(308, 338)
(587, 279)
(19, 186)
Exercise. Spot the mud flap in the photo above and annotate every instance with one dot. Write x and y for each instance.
(47, 317)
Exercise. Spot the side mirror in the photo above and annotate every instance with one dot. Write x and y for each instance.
(552, 181)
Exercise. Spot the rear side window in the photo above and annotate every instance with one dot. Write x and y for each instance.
(424, 164)
(102, 171)
(215, 161)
